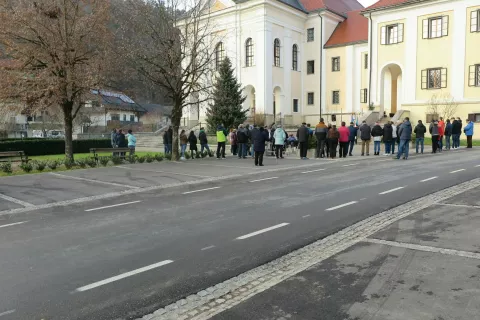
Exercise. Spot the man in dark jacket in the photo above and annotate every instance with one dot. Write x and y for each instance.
(122, 142)
(419, 131)
(448, 134)
(202, 136)
(165, 142)
(377, 133)
(259, 145)
(352, 137)
(242, 140)
(302, 135)
(321, 135)
(405, 134)
(365, 135)
(435, 132)
(170, 138)
(388, 137)
(456, 131)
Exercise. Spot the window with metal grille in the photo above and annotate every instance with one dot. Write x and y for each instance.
(475, 21)
(310, 98)
(310, 35)
(435, 27)
(474, 76)
(435, 78)
(336, 64)
(363, 95)
(335, 97)
(295, 105)
(365, 62)
(310, 67)
(276, 52)
(249, 52)
(295, 57)
(219, 55)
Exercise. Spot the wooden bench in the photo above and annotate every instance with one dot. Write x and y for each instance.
(114, 151)
(15, 155)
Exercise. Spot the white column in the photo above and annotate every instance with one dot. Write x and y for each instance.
(351, 69)
(287, 74)
(409, 72)
(267, 101)
(457, 29)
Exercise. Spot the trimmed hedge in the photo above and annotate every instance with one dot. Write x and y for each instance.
(40, 147)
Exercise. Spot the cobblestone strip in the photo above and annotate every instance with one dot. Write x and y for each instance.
(225, 295)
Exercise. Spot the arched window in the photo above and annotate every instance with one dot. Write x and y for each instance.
(219, 55)
(249, 52)
(295, 57)
(276, 52)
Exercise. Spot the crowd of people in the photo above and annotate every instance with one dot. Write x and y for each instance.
(119, 139)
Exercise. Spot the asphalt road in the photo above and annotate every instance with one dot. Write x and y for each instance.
(123, 257)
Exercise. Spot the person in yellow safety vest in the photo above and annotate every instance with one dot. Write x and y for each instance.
(221, 139)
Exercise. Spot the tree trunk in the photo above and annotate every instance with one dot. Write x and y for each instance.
(176, 118)
(68, 120)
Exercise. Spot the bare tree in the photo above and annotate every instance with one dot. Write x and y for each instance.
(171, 45)
(59, 47)
(442, 105)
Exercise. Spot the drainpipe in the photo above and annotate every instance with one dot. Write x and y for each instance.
(321, 65)
(370, 62)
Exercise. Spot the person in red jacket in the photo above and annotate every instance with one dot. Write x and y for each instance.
(344, 135)
(441, 133)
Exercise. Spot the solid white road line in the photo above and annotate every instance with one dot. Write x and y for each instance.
(263, 231)
(7, 312)
(457, 170)
(17, 201)
(188, 192)
(264, 179)
(313, 171)
(207, 248)
(349, 165)
(123, 276)
(91, 180)
(341, 206)
(158, 171)
(13, 224)
(425, 180)
(113, 205)
(392, 190)
(457, 205)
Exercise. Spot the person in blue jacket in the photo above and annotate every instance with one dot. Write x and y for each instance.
(468, 130)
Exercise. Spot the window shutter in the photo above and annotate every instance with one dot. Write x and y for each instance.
(425, 29)
(443, 78)
(361, 95)
(383, 35)
(424, 79)
(471, 76)
(400, 32)
(444, 26)
(338, 63)
(474, 21)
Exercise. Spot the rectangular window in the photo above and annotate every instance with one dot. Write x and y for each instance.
(310, 98)
(474, 76)
(392, 34)
(365, 62)
(124, 117)
(336, 64)
(115, 117)
(475, 117)
(363, 96)
(310, 35)
(132, 118)
(435, 78)
(431, 117)
(435, 27)
(335, 97)
(475, 21)
(295, 105)
(310, 67)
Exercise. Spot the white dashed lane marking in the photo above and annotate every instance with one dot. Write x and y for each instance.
(7, 312)
(12, 224)
(264, 179)
(425, 180)
(341, 206)
(392, 190)
(113, 205)
(188, 192)
(262, 231)
(207, 248)
(313, 171)
(457, 170)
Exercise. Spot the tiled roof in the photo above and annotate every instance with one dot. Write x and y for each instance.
(387, 3)
(354, 29)
(339, 6)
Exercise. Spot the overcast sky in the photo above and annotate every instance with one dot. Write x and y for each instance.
(367, 3)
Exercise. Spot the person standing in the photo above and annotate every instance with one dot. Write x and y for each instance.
(420, 131)
(377, 133)
(202, 136)
(253, 133)
(441, 133)
(405, 134)
(183, 144)
(365, 135)
(259, 145)
(388, 137)
(165, 142)
(279, 137)
(221, 139)
(114, 141)
(192, 140)
(321, 135)
(302, 135)
(469, 133)
(170, 139)
(132, 142)
(352, 137)
(242, 142)
(394, 136)
(448, 134)
(456, 131)
(344, 135)
(435, 135)
(333, 136)
(122, 142)
(233, 142)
